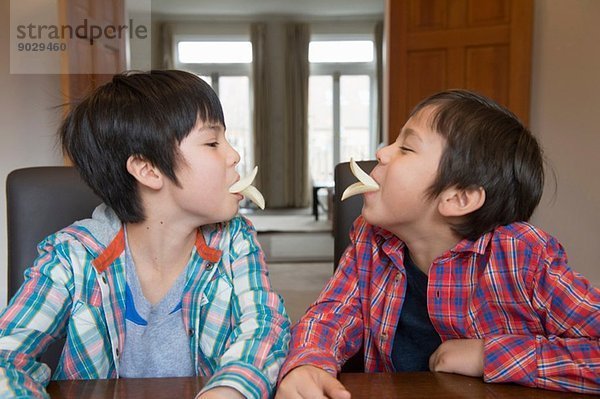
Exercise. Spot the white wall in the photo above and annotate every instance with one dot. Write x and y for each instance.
(28, 123)
(565, 114)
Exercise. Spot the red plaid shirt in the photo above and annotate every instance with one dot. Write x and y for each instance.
(512, 287)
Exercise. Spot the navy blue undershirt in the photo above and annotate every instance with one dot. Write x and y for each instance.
(415, 338)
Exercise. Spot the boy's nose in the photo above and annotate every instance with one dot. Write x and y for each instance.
(233, 156)
(382, 154)
(236, 156)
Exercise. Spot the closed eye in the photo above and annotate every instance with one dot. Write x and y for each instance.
(213, 144)
(406, 149)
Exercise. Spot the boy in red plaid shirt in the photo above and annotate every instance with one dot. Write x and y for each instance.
(443, 272)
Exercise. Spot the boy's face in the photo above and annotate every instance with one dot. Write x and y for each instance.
(205, 172)
(406, 169)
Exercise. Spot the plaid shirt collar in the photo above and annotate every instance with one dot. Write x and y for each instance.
(394, 247)
(117, 246)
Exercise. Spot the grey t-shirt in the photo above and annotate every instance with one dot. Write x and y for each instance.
(156, 342)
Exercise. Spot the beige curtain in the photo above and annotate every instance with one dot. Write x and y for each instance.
(166, 37)
(262, 101)
(297, 182)
(379, 67)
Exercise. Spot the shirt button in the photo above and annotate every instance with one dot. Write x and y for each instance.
(104, 278)
(384, 335)
(209, 266)
(191, 332)
(397, 279)
(117, 351)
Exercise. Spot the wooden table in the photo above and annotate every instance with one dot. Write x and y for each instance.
(378, 385)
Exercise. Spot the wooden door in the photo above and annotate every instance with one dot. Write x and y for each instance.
(91, 61)
(481, 45)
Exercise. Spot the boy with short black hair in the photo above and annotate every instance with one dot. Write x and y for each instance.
(443, 272)
(164, 279)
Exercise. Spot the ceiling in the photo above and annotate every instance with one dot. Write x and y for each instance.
(261, 7)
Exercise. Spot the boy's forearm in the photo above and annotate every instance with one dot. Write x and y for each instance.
(16, 383)
(221, 392)
(305, 356)
(324, 335)
(248, 380)
(262, 334)
(25, 330)
(510, 358)
(332, 327)
(570, 364)
(562, 364)
(252, 361)
(566, 356)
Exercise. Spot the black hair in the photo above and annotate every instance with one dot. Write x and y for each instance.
(144, 114)
(486, 146)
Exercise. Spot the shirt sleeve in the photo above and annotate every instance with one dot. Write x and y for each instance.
(331, 331)
(261, 332)
(567, 357)
(35, 317)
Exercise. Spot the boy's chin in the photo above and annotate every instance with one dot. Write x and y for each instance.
(230, 214)
(372, 218)
(225, 216)
(368, 216)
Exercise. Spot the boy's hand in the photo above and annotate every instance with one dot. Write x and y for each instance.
(459, 356)
(221, 393)
(310, 382)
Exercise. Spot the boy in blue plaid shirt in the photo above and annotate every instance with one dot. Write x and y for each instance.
(164, 279)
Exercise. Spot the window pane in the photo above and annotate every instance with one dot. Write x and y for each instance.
(320, 127)
(354, 117)
(234, 92)
(214, 52)
(341, 51)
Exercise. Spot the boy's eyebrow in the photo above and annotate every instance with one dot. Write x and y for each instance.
(214, 126)
(410, 132)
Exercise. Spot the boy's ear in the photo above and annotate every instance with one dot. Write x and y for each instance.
(145, 172)
(460, 202)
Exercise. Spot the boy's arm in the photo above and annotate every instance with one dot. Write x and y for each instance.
(331, 331)
(261, 326)
(567, 357)
(34, 318)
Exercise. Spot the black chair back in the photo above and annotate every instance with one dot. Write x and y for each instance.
(39, 202)
(344, 214)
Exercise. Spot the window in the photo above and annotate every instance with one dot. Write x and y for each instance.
(226, 66)
(195, 52)
(320, 126)
(341, 97)
(340, 51)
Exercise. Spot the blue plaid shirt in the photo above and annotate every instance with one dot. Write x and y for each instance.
(237, 325)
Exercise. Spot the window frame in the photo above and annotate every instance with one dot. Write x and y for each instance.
(338, 69)
(218, 70)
